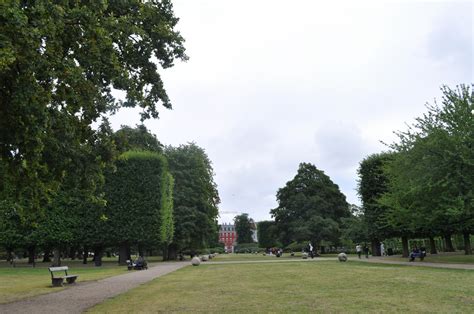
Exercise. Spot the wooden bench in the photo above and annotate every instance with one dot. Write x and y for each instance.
(58, 281)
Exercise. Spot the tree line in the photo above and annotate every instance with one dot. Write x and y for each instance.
(68, 182)
(152, 198)
(422, 187)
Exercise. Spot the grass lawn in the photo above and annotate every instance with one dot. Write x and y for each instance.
(23, 282)
(260, 257)
(323, 286)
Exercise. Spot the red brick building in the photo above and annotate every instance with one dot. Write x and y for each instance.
(228, 236)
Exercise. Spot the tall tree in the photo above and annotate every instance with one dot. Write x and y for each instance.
(310, 207)
(267, 234)
(195, 198)
(372, 184)
(243, 228)
(59, 62)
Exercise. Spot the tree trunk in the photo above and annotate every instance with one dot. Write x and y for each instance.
(47, 255)
(467, 243)
(405, 247)
(140, 250)
(56, 258)
(31, 255)
(172, 252)
(433, 246)
(98, 256)
(9, 255)
(123, 255)
(129, 252)
(72, 252)
(108, 254)
(165, 252)
(375, 243)
(85, 255)
(449, 243)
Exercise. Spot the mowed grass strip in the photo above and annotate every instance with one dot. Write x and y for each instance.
(440, 258)
(300, 287)
(20, 283)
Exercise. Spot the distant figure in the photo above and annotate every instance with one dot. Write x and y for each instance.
(366, 251)
(382, 249)
(311, 253)
(358, 250)
(415, 253)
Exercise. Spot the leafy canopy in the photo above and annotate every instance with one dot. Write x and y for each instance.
(310, 207)
(59, 63)
(243, 228)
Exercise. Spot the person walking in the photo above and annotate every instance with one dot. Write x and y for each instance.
(366, 251)
(382, 249)
(358, 250)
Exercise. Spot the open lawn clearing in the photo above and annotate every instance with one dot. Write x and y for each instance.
(24, 282)
(301, 287)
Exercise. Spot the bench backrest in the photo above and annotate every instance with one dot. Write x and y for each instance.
(65, 268)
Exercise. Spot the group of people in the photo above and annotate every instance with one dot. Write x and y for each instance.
(366, 250)
(417, 252)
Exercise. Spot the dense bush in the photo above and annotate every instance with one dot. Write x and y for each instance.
(296, 247)
(218, 249)
(247, 248)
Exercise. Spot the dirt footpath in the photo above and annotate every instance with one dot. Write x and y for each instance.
(82, 296)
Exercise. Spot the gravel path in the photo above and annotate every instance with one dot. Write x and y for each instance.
(82, 296)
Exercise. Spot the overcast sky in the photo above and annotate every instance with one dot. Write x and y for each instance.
(270, 84)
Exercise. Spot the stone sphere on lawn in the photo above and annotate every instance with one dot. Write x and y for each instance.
(304, 255)
(196, 261)
(342, 257)
(204, 258)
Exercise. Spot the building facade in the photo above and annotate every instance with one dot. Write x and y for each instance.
(228, 236)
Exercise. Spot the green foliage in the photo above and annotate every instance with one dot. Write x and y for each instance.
(59, 62)
(243, 228)
(310, 208)
(195, 197)
(296, 247)
(431, 181)
(267, 234)
(373, 183)
(138, 138)
(217, 249)
(138, 200)
(247, 248)
(166, 211)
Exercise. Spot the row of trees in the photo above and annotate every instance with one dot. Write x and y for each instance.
(424, 186)
(68, 182)
(152, 198)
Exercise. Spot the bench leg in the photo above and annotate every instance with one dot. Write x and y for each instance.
(57, 282)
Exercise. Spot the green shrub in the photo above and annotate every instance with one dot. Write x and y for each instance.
(296, 247)
(218, 249)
